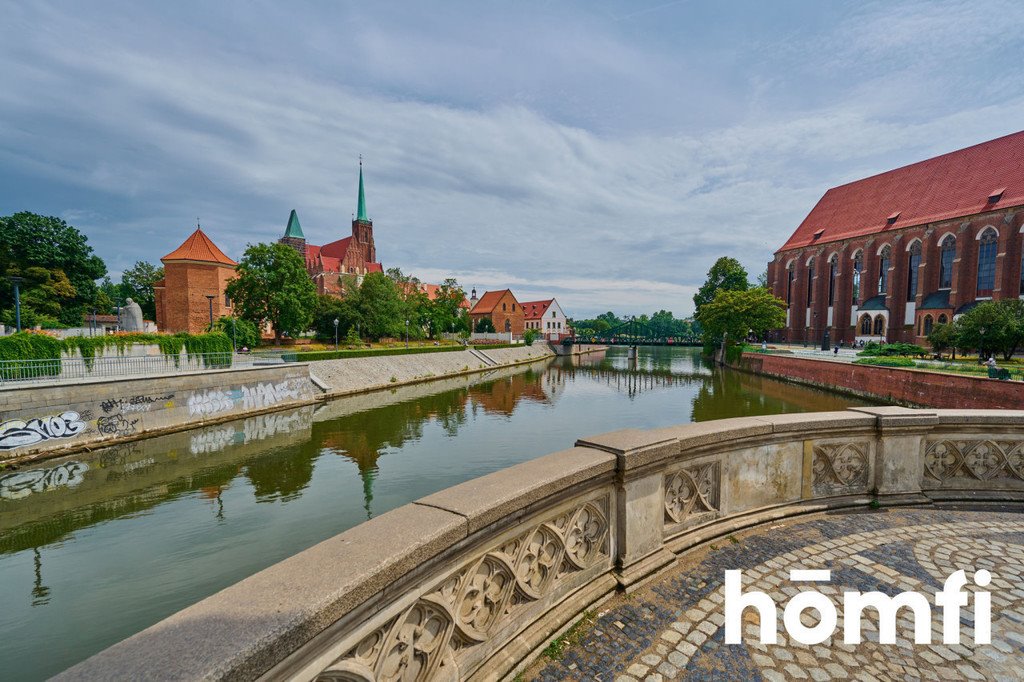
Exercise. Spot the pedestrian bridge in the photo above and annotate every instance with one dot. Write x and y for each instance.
(471, 582)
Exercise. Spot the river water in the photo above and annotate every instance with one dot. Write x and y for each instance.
(96, 547)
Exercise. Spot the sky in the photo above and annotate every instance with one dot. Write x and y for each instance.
(605, 153)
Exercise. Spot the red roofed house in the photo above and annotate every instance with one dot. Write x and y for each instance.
(192, 272)
(502, 308)
(892, 255)
(355, 255)
(547, 318)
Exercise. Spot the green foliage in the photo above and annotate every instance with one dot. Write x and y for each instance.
(272, 285)
(137, 284)
(725, 275)
(992, 327)
(529, 336)
(309, 356)
(242, 332)
(943, 336)
(380, 308)
(30, 242)
(873, 349)
(28, 346)
(444, 313)
(352, 337)
(886, 362)
(331, 308)
(484, 326)
(739, 313)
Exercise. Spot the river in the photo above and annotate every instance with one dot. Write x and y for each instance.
(96, 547)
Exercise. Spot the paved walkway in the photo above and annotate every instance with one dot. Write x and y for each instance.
(673, 629)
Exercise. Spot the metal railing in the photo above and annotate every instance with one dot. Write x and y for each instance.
(65, 369)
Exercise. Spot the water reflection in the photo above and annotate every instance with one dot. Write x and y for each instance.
(154, 525)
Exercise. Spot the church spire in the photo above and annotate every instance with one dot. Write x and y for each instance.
(361, 210)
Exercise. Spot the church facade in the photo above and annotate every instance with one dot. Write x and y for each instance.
(327, 265)
(888, 257)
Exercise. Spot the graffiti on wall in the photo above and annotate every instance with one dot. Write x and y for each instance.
(18, 433)
(268, 395)
(216, 400)
(136, 403)
(116, 425)
(212, 401)
(212, 440)
(23, 483)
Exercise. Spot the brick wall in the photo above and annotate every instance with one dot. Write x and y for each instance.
(924, 389)
(183, 306)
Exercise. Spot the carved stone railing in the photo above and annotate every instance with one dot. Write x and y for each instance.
(470, 582)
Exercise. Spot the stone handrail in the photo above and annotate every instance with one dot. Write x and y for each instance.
(470, 582)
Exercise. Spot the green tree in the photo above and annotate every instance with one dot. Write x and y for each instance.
(414, 302)
(381, 307)
(137, 284)
(272, 285)
(529, 336)
(445, 312)
(242, 333)
(992, 327)
(738, 313)
(29, 241)
(943, 336)
(725, 275)
(484, 326)
(345, 310)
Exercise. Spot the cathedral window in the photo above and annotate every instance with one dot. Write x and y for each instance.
(884, 260)
(858, 266)
(833, 265)
(987, 262)
(947, 252)
(913, 264)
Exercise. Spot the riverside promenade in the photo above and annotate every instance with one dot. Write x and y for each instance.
(672, 629)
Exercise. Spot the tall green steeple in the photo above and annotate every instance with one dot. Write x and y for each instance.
(361, 210)
(294, 229)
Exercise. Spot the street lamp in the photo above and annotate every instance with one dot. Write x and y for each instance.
(16, 281)
(407, 334)
(335, 333)
(210, 297)
(234, 336)
(981, 351)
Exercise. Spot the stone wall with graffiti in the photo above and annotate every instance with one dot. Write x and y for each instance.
(56, 418)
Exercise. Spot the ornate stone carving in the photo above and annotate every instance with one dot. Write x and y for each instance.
(692, 491)
(465, 607)
(839, 467)
(981, 459)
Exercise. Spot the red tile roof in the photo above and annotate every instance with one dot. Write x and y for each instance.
(336, 249)
(488, 301)
(948, 186)
(534, 310)
(374, 267)
(199, 247)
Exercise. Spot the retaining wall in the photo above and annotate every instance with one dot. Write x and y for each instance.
(902, 386)
(48, 419)
(470, 582)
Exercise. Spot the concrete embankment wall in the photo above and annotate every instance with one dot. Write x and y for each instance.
(355, 375)
(901, 386)
(41, 419)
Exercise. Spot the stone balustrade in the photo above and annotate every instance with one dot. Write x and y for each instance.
(470, 582)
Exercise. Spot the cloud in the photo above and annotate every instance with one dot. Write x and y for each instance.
(553, 169)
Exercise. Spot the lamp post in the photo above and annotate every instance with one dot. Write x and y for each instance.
(981, 351)
(16, 281)
(407, 334)
(210, 297)
(335, 333)
(234, 336)
(117, 309)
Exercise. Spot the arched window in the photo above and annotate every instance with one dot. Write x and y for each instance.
(884, 259)
(943, 319)
(987, 247)
(858, 266)
(929, 324)
(947, 252)
(879, 326)
(810, 284)
(833, 265)
(913, 263)
(503, 308)
(865, 325)
(789, 285)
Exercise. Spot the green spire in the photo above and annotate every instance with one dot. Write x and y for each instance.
(361, 210)
(294, 229)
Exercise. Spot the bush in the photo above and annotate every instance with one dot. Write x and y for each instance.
(529, 336)
(30, 346)
(892, 349)
(309, 356)
(494, 346)
(886, 362)
(244, 332)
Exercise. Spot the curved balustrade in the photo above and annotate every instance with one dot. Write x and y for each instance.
(468, 583)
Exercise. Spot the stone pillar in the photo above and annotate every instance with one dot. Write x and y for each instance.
(899, 452)
(640, 502)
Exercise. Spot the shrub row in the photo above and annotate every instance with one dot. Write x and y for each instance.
(886, 362)
(309, 356)
(873, 349)
(31, 346)
(494, 346)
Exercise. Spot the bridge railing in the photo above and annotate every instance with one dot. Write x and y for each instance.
(471, 582)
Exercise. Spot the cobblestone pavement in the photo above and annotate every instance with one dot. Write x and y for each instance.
(673, 629)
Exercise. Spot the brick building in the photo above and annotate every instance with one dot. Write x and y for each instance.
(502, 308)
(193, 272)
(327, 264)
(890, 256)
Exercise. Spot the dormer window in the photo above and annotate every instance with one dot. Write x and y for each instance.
(818, 233)
(892, 218)
(995, 195)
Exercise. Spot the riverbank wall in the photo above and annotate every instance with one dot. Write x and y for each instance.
(50, 420)
(891, 384)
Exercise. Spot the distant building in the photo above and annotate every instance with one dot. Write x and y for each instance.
(193, 272)
(327, 264)
(892, 255)
(503, 310)
(547, 318)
